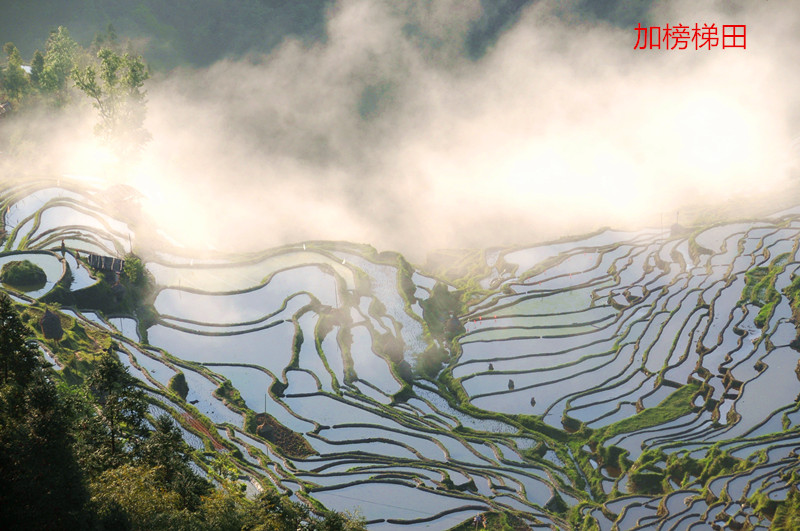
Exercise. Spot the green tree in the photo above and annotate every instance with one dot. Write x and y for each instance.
(223, 466)
(121, 411)
(37, 68)
(221, 511)
(129, 497)
(19, 359)
(59, 61)
(134, 269)
(271, 511)
(274, 512)
(15, 80)
(165, 451)
(117, 93)
(42, 484)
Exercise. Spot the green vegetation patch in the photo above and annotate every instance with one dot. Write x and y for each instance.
(265, 425)
(440, 310)
(225, 392)
(785, 514)
(23, 275)
(429, 363)
(792, 291)
(676, 405)
(178, 384)
(492, 520)
(759, 288)
(291, 443)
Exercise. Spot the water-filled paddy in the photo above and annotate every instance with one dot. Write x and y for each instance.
(602, 328)
(270, 347)
(49, 263)
(380, 503)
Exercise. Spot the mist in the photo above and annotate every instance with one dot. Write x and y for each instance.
(390, 132)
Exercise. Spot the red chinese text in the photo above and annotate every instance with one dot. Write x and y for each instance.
(697, 37)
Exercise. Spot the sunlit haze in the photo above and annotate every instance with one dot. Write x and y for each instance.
(399, 139)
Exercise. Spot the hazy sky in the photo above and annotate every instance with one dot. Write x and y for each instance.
(415, 125)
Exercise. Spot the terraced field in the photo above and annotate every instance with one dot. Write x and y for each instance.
(628, 379)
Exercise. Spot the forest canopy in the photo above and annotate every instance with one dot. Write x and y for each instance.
(173, 34)
(88, 457)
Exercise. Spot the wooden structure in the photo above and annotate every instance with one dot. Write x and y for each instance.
(105, 263)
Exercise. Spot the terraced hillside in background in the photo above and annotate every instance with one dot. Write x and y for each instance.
(618, 380)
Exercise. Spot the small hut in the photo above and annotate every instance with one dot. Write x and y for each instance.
(51, 326)
(106, 263)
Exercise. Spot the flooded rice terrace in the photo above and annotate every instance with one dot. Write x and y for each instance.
(586, 374)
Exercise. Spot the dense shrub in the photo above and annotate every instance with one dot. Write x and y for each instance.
(23, 274)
